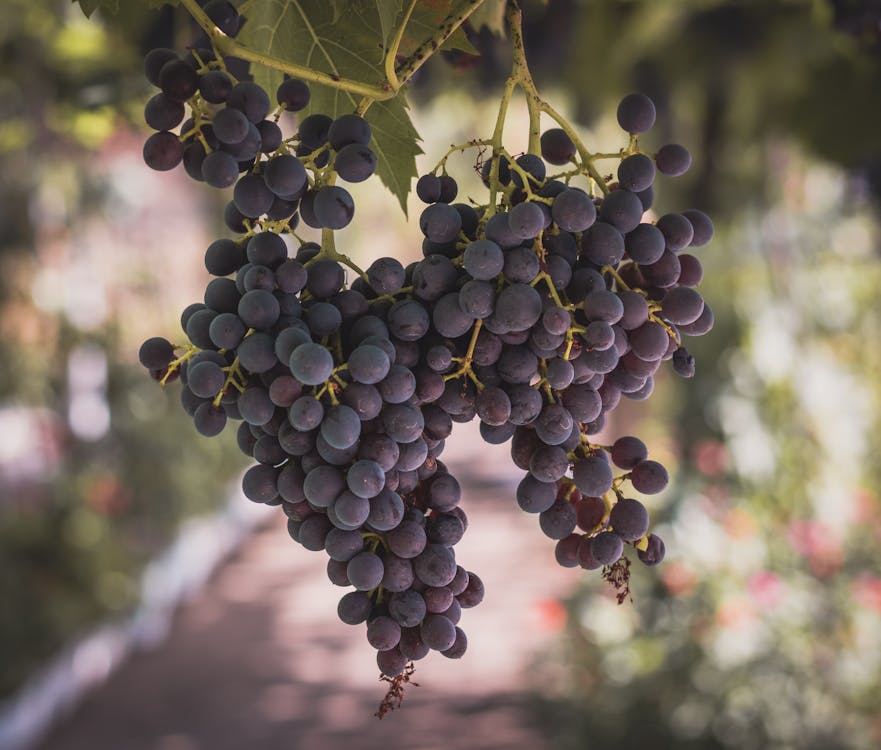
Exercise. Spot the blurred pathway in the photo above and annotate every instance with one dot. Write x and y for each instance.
(259, 660)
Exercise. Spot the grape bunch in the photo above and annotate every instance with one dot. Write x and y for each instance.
(551, 307)
(535, 312)
(232, 138)
(324, 380)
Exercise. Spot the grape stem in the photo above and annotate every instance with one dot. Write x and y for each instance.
(475, 143)
(233, 375)
(666, 326)
(465, 362)
(612, 271)
(392, 53)
(189, 351)
(536, 105)
(445, 30)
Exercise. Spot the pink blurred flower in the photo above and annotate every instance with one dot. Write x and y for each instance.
(867, 591)
(710, 457)
(766, 588)
(678, 578)
(734, 612)
(551, 615)
(818, 543)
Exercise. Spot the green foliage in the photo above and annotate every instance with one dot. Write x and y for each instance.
(352, 46)
(351, 40)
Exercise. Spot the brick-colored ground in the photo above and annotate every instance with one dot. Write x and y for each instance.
(259, 660)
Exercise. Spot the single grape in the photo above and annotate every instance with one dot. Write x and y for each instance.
(341, 426)
(526, 220)
(178, 80)
(407, 540)
(311, 363)
(163, 151)
(285, 175)
(215, 86)
(354, 608)
(334, 207)
(628, 451)
(630, 519)
(622, 209)
(255, 406)
(636, 173)
(606, 548)
(435, 565)
(677, 230)
(649, 477)
(438, 632)
(227, 331)
(224, 15)
(483, 259)
(293, 94)
(440, 222)
(256, 353)
(323, 485)
(603, 244)
(365, 478)
(355, 162)
(518, 307)
(636, 113)
(156, 353)
(407, 608)
(682, 305)
(365, 571)
(592, 476)
(535, 496)
(154, 60)
(258, 309)
(348, 129)
(221, 170)
(251, 196)
(683, 363)
(654, 552)
(163, 113)
(673, 160)
(251, 100)
(558, 521)
(557, 147)
(230, 126)
(573, 210)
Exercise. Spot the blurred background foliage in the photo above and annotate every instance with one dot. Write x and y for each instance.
(763, 628)
(94, 475)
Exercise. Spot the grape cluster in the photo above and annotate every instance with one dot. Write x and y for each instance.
(325, 380)
(535, 313)
(549, 309)
(232, 139)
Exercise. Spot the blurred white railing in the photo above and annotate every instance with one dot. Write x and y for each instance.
(201, 544)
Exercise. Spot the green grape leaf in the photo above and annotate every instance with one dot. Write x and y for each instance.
(338, 7)
(428, 16)
(304, 32)
(90, 6)
(389, 11)
(492, 15)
